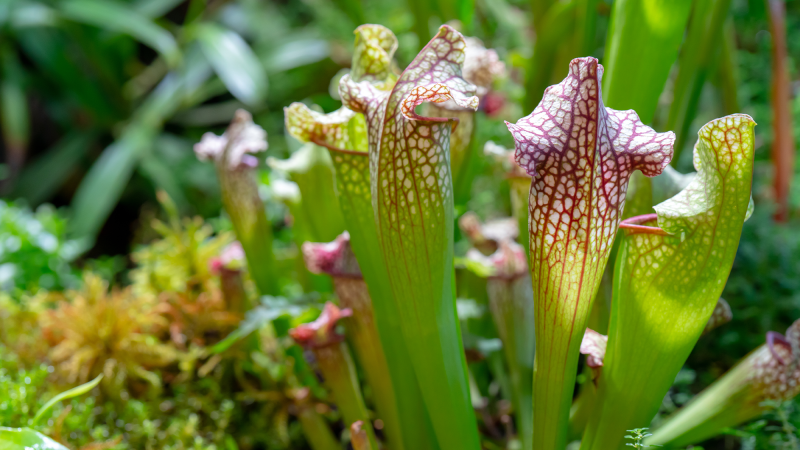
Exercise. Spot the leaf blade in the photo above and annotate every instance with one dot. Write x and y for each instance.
(120, 18)
(234, 62)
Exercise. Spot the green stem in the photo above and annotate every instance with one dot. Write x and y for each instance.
(316, 430)
(246, 211)
(339, 373)
(511, 304)
(363, 336)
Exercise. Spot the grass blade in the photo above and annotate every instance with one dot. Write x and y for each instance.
(234, 62)
(103, 185)
(642, 44)
(74, 392)
(703, 42)
(119, 17)
(42, 177)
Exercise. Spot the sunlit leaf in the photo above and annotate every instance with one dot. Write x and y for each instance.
(642, 44)
(344, 133)
(26, 439)
(667, 280)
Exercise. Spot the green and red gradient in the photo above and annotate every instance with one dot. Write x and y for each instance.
(580, 156)
(412, 197)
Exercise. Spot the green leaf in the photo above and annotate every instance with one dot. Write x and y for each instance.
(704, 40)
(121, 18)
(102, 187)
(14, 117)
(580, 155)
(558, 23)
(270, 309)
(155, 8)
(49, 48)
(667, 280)
(234, 62)
(642, 44)
(26, 439)
(74, 392)
(29, 14)
(42, 177)
(311, 168)
(296, 53)
(412, 196)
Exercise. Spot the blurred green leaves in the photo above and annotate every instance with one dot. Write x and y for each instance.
(88, 53)
(34, 252)
(234, 62)
(121, 18)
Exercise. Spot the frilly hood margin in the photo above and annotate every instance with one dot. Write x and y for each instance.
(580, 156)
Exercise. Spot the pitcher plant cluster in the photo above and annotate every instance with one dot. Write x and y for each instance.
(397, 146)
(609, 272)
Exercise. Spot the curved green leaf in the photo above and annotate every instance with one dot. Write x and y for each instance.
(121, 18)
(704, 40)
(580, 155)
(43, 176)
(668, 281)
(74, 392)
(26, 439)
(234, 62)
(642, 44)
(102, 187)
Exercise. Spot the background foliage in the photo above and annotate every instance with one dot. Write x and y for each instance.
(101, 102)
